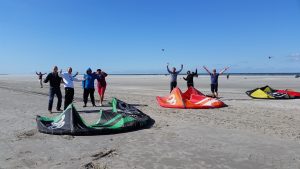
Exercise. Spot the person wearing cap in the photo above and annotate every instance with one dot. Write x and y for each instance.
(173, 73)
(68, 79)
(88, 86)
(101, 85)
(214, 80)
(54, 89)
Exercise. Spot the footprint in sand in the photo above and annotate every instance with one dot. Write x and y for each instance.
(102, 154)
(25, 152)
(92, 165)
(26, 134)
(68, 137)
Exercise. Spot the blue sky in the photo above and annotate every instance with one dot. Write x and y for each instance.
(126, 36)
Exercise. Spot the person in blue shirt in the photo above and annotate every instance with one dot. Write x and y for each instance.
(214, 80)
(88, 86)
(173, 73)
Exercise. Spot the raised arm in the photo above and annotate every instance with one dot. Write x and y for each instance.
(78, 80)
(75, 74)
(168, 68)
(36, 73)
(206, 70)
(224, 70)
(180, 69)
(196, 72)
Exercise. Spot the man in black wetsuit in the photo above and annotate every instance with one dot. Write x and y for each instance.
(190, 78)
(54, 89)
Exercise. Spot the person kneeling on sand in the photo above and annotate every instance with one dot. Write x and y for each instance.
(214, 80)
(173, 73)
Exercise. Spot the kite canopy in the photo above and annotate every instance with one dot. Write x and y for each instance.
(269, 93)
(123, 117)
(191, 99)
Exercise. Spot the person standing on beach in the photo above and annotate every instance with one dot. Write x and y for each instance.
(101, 85)
(173, 73)
(214, 80)
(88, 88)
(40, 75)
(54, 89)
(68, 80)
(190, 78)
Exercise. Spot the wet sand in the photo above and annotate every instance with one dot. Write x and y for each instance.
(247, 134)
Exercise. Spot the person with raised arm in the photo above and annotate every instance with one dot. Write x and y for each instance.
(89, 87)
(214, 80)
(190, 78)
(173, 73)
(68, 79)
(40, 76)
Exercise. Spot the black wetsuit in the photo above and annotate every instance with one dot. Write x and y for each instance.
(54, 89)
(190, 79)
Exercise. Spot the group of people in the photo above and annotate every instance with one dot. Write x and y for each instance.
(190, 78)
(55, 78)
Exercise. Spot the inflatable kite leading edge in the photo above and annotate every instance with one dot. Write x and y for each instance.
(269, 93)
(191, 99)
(123, 117)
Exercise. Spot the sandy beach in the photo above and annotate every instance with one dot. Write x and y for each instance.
(248, 134)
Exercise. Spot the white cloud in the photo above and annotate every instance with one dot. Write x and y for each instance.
(294, 57)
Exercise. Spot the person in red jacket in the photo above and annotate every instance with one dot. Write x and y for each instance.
(101, 85)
